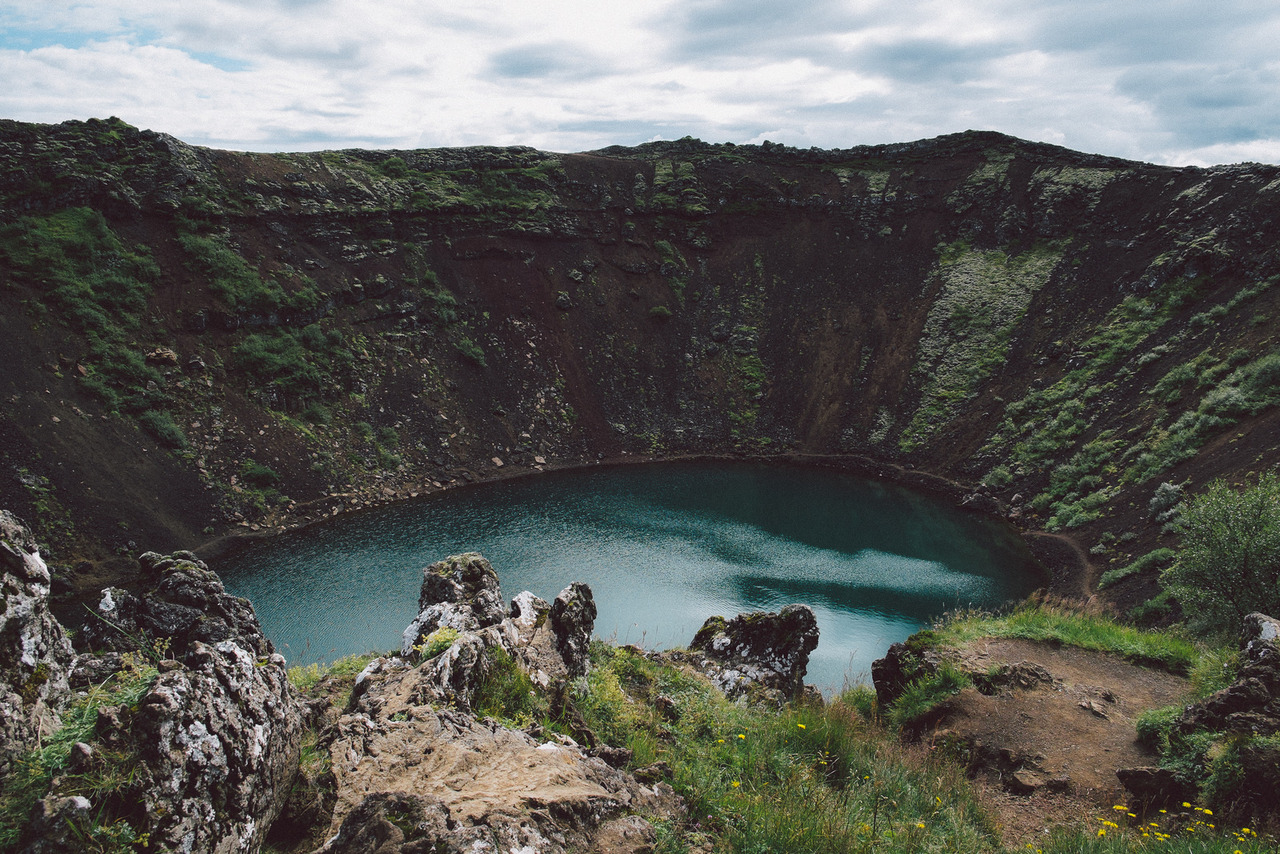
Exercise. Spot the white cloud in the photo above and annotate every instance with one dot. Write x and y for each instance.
(1168, 81)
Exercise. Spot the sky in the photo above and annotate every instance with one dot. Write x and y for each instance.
(1180, 82)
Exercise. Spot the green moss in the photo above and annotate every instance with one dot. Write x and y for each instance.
(237, 284)
(981, 301)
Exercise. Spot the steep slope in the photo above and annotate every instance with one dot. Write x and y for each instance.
(196, 340)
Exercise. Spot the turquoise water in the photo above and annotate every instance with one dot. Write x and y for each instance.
(663, 546)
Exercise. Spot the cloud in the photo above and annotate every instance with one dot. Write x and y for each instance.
(549, 59)
(1171, 81)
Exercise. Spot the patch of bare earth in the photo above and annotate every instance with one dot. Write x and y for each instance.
(1046, 735)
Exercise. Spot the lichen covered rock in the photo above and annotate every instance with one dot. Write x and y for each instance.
(760, 651)
(206, 749)
(573, 616)
(35, 655)
(460, 592)
(188, 603)
(218, 740)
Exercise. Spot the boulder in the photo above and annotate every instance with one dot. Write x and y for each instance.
(188, 604)
(218, 740)
(1251, 704)
(412, 777)
(460, 592)
(573, 616)
(35, 655)
(760, 651)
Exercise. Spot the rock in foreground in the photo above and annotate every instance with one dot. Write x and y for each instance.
(759, 652)
(193, 731)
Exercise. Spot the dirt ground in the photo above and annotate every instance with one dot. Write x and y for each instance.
(1046, 745)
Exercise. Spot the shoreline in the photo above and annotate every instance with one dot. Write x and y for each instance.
(1060, 558)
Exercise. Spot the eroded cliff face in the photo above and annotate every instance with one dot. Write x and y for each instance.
(201, 341)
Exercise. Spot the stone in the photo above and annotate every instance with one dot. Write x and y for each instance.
(35, 654)
(58, 825)
(218, 742)
(760, 651)
(471, 775)
(573, 616)
(460, 592)
(981, 502)
(1251, 704)
(188, 604)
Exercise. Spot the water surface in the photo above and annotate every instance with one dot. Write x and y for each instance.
(663, 547)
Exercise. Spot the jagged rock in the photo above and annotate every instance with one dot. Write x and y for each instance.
(35, 655)
(391, 822)
(1251, 704)
(761, 650)
(474, 774)
(902, 664)
(218, 741)
(477, 785)
(573, 616)
(460, 592)
(213, 743)
(983, 503)
(59, 825)
(189, 604)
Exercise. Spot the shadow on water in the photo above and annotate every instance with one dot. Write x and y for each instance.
(663, 546)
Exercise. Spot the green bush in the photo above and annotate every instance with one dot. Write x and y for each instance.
(258, 476)
(1229, 561)
(236, 283)
(505, 691)
(163, 428)
(925, 693)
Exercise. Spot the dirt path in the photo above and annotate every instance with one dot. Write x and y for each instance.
(1047, 735)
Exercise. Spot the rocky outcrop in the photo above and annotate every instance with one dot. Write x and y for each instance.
(35, 655)
(188, 604)
(760, 652)
(573, 615)
(416, 770)
(205, 743)
(461, 593)
(479, 784)
(1251, 704)
(218, 739)
(1241, 713)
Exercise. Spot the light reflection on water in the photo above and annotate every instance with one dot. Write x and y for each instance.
(663, 547)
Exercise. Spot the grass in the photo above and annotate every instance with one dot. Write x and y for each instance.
(108, 783)
(239, 285)
(1055, 624)
(801, 779)
(982, 300)
(97, 287)
(1157, 559)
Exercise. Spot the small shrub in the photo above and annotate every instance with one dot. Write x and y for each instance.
(660, 313)
(163, 428)
(436, 642)
(925, 693)
(470, 350)
(258, 476)
(1151, 560)
(1229, 563)
(506, 692)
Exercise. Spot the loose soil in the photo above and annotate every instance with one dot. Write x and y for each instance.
(1046, 752)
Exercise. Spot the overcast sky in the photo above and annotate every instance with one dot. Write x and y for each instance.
(1167, 81)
